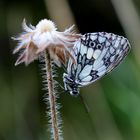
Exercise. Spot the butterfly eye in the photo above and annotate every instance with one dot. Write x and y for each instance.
(74, 93)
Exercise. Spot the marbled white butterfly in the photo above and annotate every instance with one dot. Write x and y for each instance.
(97, 54)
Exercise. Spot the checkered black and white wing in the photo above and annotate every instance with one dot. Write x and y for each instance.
(97, 54)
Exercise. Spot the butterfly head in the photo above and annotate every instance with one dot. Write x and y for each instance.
(70, 85)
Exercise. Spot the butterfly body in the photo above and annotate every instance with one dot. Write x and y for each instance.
(96, 54)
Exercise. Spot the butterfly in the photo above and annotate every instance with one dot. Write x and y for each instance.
(96, 54)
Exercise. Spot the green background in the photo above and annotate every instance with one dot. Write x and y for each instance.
(110, 109)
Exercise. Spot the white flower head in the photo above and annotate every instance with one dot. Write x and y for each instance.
(44, 36)
(45, 26)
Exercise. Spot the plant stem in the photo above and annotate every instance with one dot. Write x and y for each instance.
(53, 112)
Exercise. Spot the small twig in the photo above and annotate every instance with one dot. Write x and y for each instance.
(51, 99)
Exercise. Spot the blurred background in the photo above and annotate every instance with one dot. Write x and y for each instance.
(111, 106)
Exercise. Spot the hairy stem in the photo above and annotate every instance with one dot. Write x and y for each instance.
(51, 101)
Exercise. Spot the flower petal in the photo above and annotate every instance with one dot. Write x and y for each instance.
(21, 59)
(25, 27)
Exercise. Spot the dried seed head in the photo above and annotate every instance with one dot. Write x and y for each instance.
(43, 37)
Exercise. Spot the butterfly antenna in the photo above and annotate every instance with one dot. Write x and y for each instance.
(87, 110)
(85, 104)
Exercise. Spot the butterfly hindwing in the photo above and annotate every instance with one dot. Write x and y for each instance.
(97, 54)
